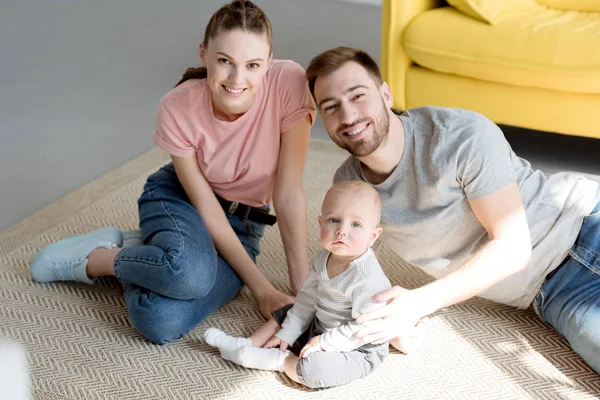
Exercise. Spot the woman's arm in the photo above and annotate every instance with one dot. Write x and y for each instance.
(226, 242)
(290, 202)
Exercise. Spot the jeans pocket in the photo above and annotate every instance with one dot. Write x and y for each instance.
(538, 303)
(255, 229)
(595, 216)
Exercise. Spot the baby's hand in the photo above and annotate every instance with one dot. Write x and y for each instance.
(276, 342)
(313, 345)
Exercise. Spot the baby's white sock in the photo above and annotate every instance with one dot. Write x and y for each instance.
(240, 351)
(259, 358)
(223, 341)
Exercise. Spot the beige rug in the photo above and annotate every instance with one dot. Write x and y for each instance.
(81, 346)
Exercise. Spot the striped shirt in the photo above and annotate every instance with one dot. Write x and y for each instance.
(336, 302)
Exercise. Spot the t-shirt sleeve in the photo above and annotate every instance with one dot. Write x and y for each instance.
(169, 135)
(295, 99)
(480, 155)
(347, 171)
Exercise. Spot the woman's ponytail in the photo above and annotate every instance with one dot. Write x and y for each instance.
(192, 73)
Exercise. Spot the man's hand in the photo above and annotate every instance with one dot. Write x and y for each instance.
(276, 342)
(270, 300)
(400, 318)
(313, 345)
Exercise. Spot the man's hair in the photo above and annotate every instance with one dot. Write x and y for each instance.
(333, 59)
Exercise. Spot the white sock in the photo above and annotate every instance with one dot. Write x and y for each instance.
(259, 358)
(218, 338)
(240, 351)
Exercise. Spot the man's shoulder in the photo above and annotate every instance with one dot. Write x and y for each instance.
(349, 170)
(444, 117)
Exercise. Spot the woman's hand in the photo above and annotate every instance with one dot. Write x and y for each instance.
(270, 300)
(313, 345)
(276, 342)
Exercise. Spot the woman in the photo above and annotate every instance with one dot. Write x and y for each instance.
(237, 131)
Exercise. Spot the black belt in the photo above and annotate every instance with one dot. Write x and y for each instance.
(245, 211)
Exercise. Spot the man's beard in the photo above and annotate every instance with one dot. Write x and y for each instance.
(366, 146)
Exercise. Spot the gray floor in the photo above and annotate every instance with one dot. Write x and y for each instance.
(80, 81)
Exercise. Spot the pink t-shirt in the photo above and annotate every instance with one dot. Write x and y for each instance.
(239, 158)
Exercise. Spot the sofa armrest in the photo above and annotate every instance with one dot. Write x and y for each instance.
(395, 16)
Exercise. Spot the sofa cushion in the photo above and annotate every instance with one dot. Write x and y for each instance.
(574, 5)
(490, 11)
(543, 48)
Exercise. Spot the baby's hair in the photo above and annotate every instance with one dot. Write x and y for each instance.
(361, 189)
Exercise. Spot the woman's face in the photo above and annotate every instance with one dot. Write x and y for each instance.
(236, 63)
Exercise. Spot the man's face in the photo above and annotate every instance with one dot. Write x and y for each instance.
(354, 109)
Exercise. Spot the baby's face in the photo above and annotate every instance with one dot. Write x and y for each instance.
(348, 225)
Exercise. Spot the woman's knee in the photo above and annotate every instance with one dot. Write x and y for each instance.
(192, 276)
(156, 318)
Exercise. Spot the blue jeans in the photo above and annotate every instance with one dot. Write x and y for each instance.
(177, 278)
(570, 297)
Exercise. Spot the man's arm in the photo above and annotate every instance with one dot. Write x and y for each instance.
(502, 214)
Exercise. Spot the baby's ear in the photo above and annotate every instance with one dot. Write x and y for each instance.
(376, 233)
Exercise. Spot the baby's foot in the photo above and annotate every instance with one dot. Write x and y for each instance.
(259, 358)
(227, 345)
(240, 351)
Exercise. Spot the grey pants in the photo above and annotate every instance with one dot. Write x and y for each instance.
(333, 368)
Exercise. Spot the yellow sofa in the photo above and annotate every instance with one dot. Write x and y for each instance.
(535, 66)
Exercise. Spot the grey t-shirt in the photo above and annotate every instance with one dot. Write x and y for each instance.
(452, 156)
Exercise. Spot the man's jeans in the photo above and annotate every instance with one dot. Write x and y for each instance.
(177, 278)
(570, 298)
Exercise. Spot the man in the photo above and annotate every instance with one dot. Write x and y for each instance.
(459, 204)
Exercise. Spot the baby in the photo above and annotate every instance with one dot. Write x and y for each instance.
(343, 280)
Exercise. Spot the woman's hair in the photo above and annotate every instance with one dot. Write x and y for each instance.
(243, 15)
(331, 60)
